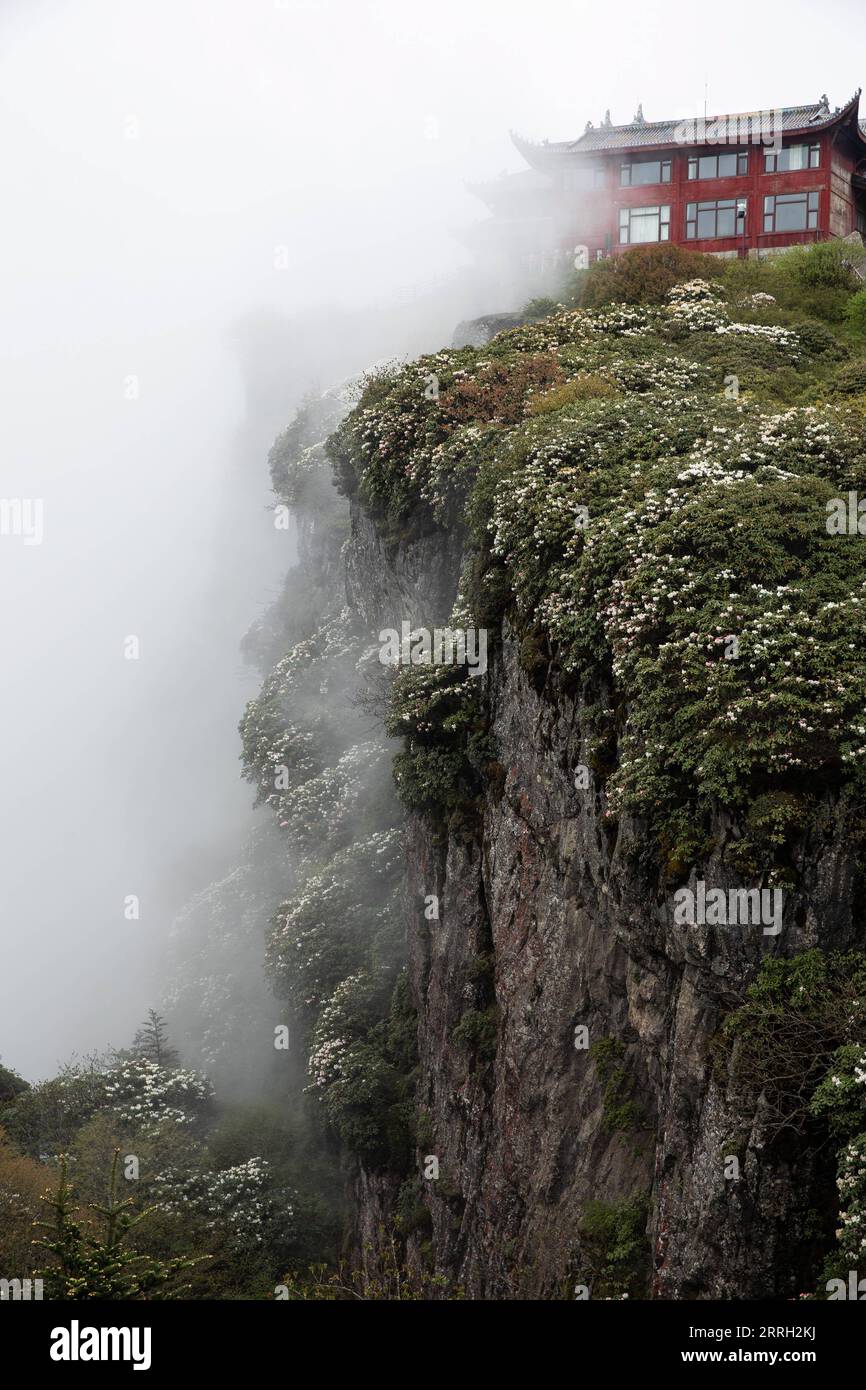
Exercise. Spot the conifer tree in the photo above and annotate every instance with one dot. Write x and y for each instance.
(90, 1267)
(151, 1041)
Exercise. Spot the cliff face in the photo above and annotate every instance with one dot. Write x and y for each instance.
(578, 931)
(553, 1073)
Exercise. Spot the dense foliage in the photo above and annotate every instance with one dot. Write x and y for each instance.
(799, 1044)
(647, 486)
(335, 948)
(125, 1178)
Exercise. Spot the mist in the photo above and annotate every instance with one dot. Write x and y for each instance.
(210, 210)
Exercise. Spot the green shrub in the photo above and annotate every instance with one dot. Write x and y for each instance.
(43, 1119)
(644, 274)
(614, 1250)
(363, 1066)
(850, 380)
(477, 1031)
(826, 265)
(798, 1044)
(781, 1042)
(620, 1110)
(855, 313)
(539, 308)
(412, 1213)
(11, 1084)
(818, 340)
(585, 387)
(773, 822)
(424, 1133)
(383, 1276)
(439, 711)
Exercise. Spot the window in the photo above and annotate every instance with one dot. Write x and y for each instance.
(636, 172)
(580, 179)
(792, 157)
(724, 217)
(791, 212)
(719, 166)
(639, 225)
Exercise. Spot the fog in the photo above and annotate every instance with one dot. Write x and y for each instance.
(208, 209)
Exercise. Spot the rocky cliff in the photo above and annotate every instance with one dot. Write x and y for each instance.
(555, 1082)
(572, 928)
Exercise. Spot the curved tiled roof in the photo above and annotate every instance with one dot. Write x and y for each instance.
(688, 131)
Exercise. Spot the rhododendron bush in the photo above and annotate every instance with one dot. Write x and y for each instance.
(667, 538)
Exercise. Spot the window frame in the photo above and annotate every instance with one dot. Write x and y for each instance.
(664, 223)
(596, 177)
(693, 172)
(810, 197)
(626, 166)
(739, 206)
(772, 158)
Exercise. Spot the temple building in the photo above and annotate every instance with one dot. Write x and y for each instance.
(736, 185)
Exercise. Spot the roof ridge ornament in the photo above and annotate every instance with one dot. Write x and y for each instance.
(607, 123)
(638, 117)
(519, 140)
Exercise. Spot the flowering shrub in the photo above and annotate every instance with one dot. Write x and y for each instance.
(308, 740)
(298, 466)
(759, 300)
(696, 316)
(411, 451)
(784, 338)
(841, 1100)
(695, 292)
(788, 696)
(851, 1184)
(667, 538)
(323, 812)
(146, 1096)
(343, 1023)
(841, 1096)
(662, 376)
(362, 1065)
(325, 931)
(439, 711)
(289, 731)
(235, 1201)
